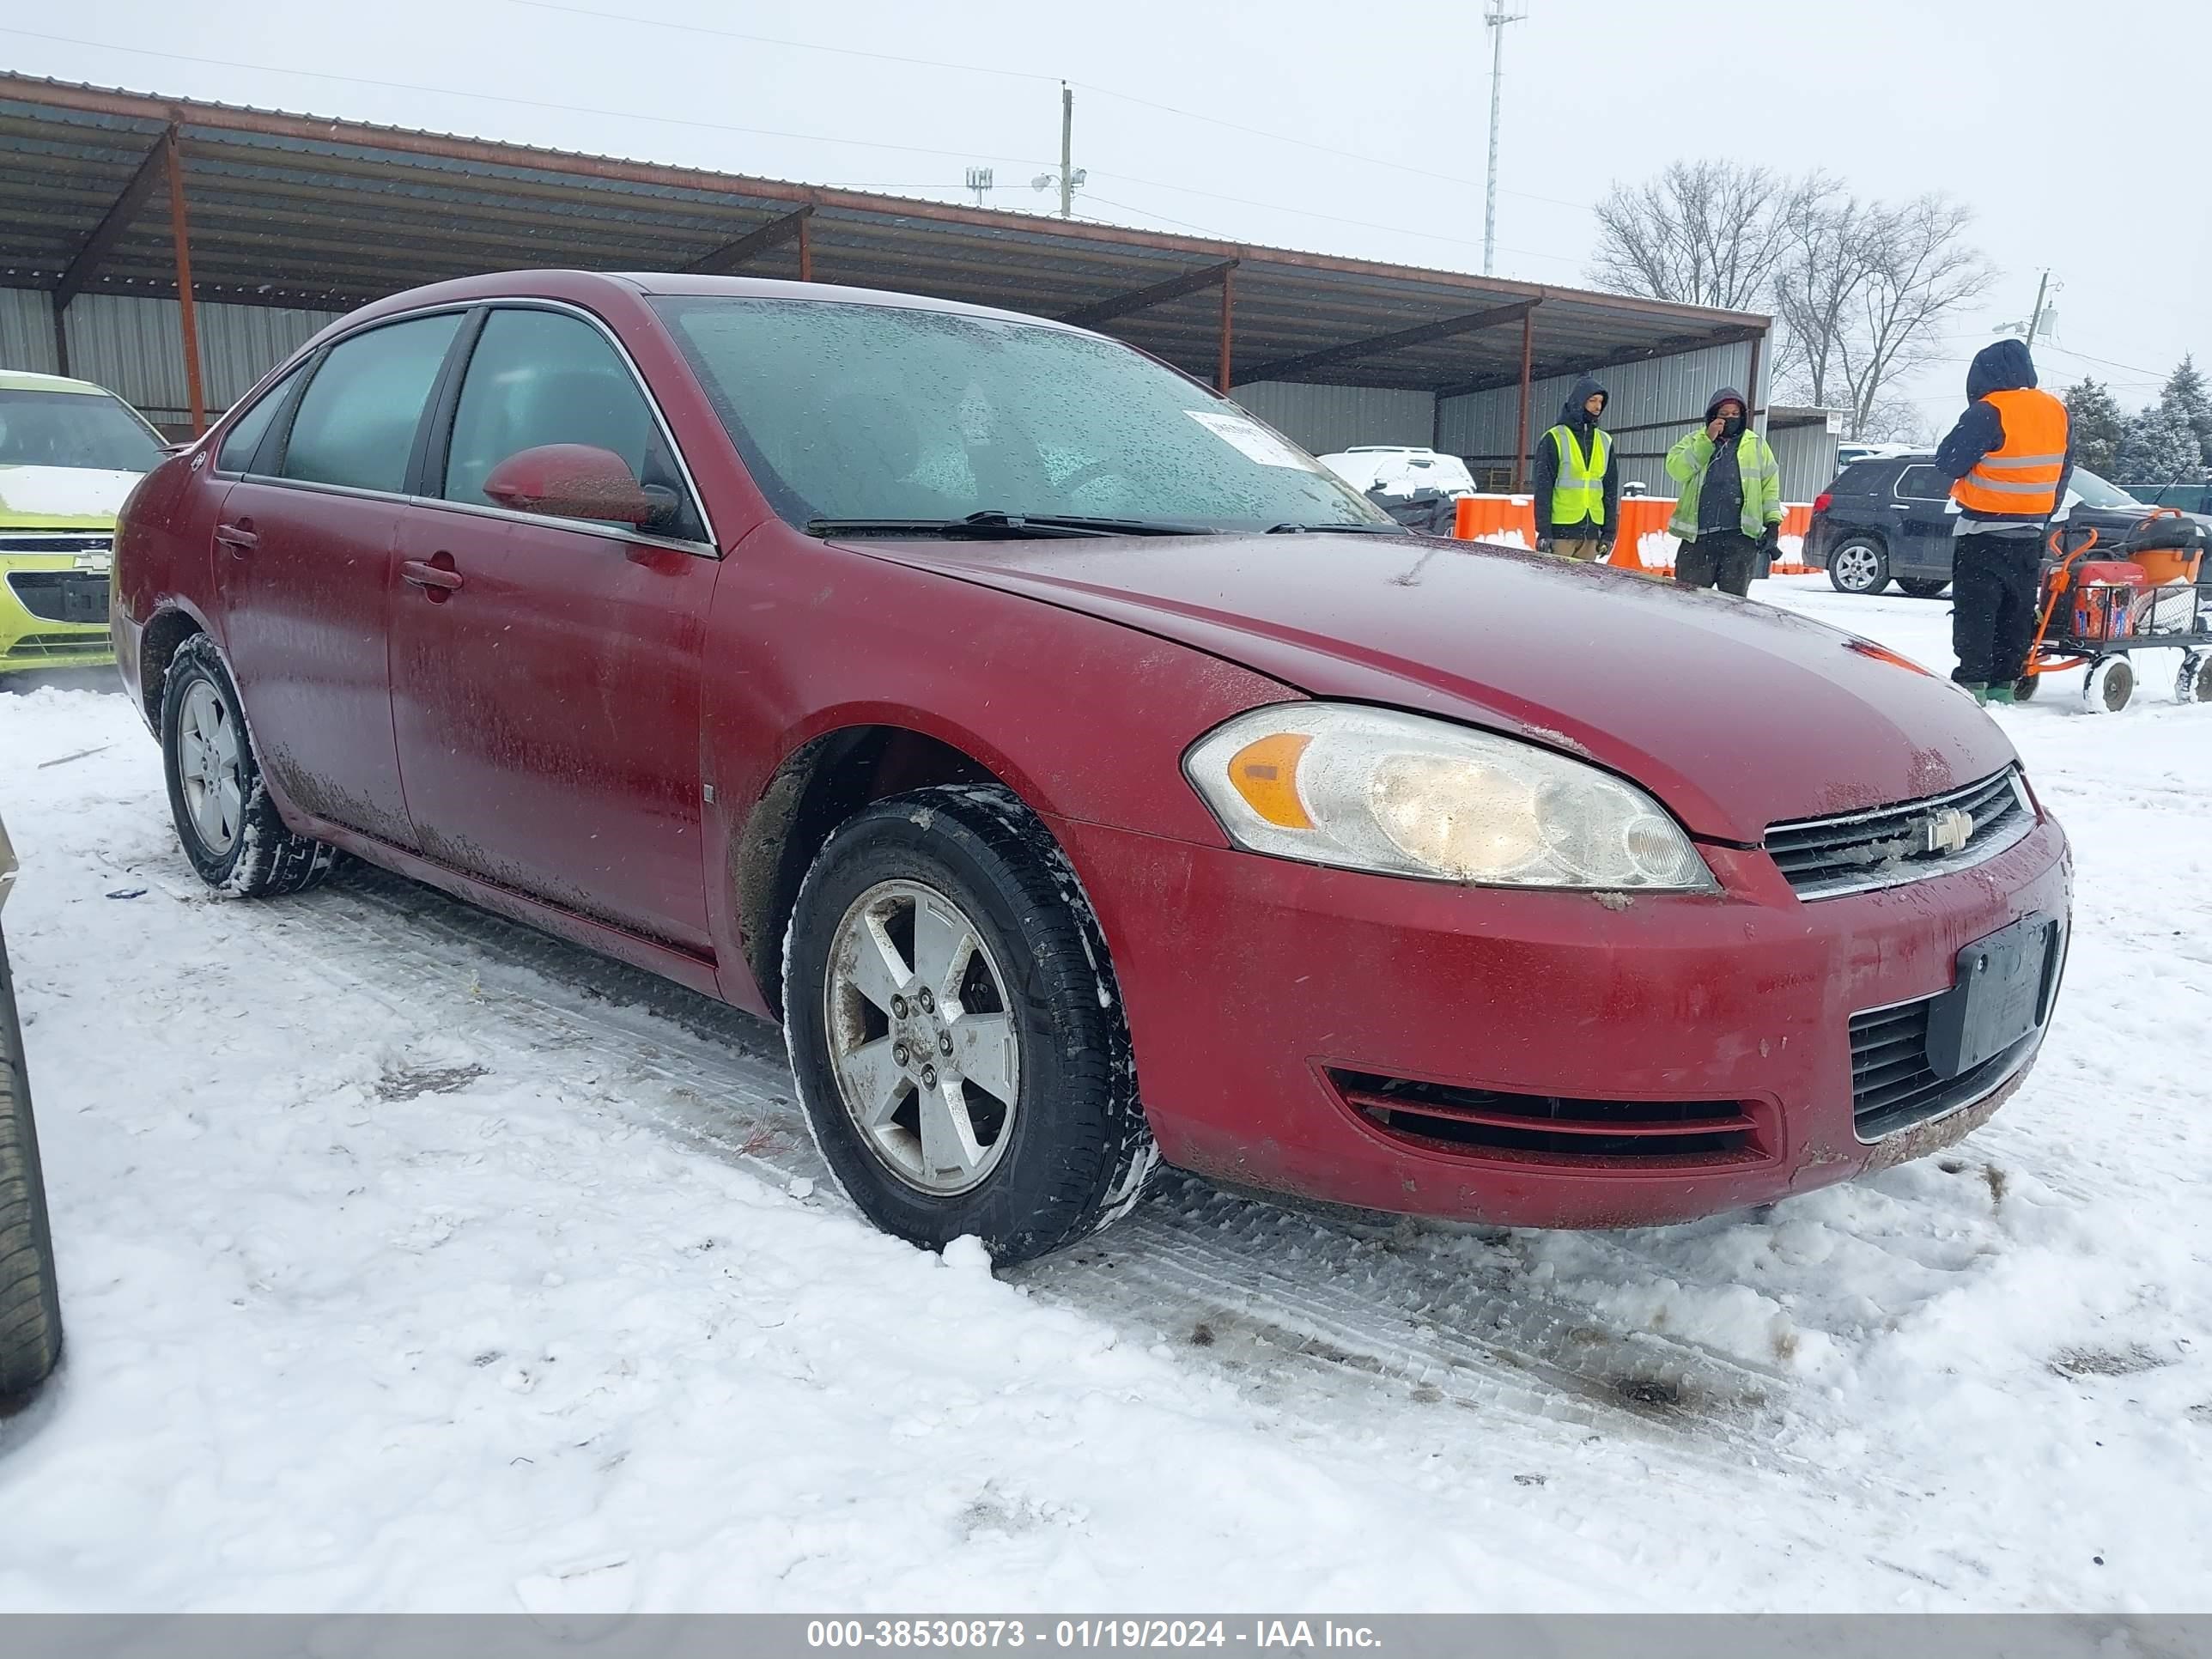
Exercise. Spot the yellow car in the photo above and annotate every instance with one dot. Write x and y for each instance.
(69, 452)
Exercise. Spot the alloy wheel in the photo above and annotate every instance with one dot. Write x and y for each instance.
(207, 766)
(921, 1038)
(1856, 566)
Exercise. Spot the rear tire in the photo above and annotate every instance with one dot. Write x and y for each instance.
(2194, 682)
(1859, 564)
(1030, 1135)
(2025, 687)
(229, 826)
(1923, 587)
(30, 1308)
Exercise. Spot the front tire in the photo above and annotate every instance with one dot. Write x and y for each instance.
(30, 1308)
(2111, 682)
(228, 824)
(956, 1031)
(1859, 564)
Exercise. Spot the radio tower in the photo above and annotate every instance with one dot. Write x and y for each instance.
(1495, 21)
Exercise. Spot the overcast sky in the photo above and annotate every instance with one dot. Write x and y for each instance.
(2077, 132)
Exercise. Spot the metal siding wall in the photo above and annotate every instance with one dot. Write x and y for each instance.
(1326, 418)
(1669, 391)
(27, 330)
(1806, 456)
(135, 346)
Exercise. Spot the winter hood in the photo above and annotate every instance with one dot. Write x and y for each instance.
(1725, 395)
(2004, 366)
(1571, 412)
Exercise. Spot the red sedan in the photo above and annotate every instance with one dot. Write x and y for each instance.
(1081, 773)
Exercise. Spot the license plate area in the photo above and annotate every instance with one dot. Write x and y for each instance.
(2002, 993)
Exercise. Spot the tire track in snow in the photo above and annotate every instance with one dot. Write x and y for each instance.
(1300, 1308)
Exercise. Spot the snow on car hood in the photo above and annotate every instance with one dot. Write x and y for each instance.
(1737, 714)
(62, 492)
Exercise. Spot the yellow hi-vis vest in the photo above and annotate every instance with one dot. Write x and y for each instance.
(1579, 495)
(2019, 479)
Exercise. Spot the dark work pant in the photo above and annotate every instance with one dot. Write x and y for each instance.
(1993, 583)
(1724, 561)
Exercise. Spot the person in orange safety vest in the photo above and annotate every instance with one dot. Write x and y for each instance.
(2009, 457)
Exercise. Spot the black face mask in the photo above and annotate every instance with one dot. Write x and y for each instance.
(1734, 426)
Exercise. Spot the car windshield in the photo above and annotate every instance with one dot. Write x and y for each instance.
(854, 413)
(74, 428)
(2095, 492)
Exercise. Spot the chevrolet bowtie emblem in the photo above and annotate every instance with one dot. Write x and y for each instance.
(1947, 831)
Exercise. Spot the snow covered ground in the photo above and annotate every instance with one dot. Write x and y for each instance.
(412, 1261)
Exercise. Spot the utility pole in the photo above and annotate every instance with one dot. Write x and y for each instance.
(1067, 151)
(2035, 317)
(1495, 21)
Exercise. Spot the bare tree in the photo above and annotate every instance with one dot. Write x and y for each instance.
(1831, 245)
(1922, 270)
(1702, 232)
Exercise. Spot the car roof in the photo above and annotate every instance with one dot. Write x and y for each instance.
(586, 285)
(22, 379)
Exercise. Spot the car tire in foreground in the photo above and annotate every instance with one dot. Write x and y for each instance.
(1859, 564)
(30, 1308)
(1923, 587)
(955, 1029)
(228, 825)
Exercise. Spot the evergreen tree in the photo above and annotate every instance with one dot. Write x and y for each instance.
(2185, 393)
(2098, 427)
(2160, 448)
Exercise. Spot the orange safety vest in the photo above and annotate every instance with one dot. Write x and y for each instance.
(2019, 479)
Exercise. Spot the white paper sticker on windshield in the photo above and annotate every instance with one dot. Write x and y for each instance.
(1250, 438)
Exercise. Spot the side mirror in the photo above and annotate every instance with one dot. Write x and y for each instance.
(577, 481)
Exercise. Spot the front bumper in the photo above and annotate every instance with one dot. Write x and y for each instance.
(1256, 988)
(43, 600)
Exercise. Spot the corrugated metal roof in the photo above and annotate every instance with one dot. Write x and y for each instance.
(305, 211)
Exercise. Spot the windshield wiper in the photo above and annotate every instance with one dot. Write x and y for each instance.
(1337, 529)
(997, 525)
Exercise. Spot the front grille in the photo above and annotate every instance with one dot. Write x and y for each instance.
(37, 647)
(77, 596)
(1554, 1129)
(1824, 858)
(1892, 1086)
(87, 541)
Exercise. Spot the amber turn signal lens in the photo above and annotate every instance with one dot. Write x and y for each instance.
(1265, 772)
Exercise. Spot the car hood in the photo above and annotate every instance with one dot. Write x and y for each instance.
(1735, 714)
(62, 497)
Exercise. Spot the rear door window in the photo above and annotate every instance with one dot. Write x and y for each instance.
(356, 423)
(1923, 484)
(544, 377)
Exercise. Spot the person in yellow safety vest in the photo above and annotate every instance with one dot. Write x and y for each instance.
(1728, 510)
(1577, 480)
(2010, 456)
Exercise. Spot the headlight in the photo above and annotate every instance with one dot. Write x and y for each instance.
(1398, 794)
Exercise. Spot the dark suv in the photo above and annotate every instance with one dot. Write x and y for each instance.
(1890, 516)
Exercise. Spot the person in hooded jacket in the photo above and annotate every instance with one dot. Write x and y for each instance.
(2009, 457)
(1727, 513)
(1577, 480)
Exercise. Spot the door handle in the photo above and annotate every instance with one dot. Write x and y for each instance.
(435, 580)
(238, 537)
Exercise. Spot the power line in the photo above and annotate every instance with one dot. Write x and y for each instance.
(1031, 75)
(503, 98)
